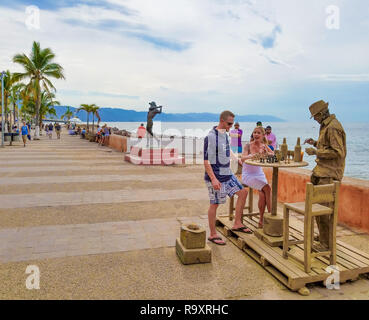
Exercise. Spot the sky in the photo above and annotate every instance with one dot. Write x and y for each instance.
(272, 57)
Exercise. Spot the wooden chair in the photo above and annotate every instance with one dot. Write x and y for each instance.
(317, 199)
(250, 206)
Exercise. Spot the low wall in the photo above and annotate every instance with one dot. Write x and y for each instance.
(354, 195)
(118, 143)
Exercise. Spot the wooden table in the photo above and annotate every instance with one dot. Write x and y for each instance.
(273, 225)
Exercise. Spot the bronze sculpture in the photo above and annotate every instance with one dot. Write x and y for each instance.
(330, 151)
(153, 111)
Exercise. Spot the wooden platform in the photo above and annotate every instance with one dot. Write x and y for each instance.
(351, 262)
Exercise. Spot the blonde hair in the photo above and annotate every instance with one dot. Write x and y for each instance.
(265, 141)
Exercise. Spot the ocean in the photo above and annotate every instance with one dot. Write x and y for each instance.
(357, 138)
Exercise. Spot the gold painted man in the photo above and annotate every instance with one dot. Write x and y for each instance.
(330, 151)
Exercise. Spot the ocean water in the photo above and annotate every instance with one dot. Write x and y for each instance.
(357, 138)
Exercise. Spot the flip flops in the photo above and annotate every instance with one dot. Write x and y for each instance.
(218, 243)
(243, 230)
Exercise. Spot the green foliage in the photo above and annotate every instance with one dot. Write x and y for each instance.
(38, 68)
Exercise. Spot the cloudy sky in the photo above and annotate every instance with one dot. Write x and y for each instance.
(250, 56)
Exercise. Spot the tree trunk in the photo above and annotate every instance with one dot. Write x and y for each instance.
(93, 123)
(38, 105)
(88, 128)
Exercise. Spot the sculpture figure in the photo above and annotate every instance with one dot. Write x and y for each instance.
(330, 151)
(153, 111)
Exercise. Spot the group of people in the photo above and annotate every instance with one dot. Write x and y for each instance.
(330, 150)
(236, 137)
(102, 134)
(49, 128)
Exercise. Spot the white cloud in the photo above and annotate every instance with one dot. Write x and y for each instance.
(106, 51)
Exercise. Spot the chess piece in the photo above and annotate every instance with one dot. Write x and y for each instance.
(284, 149)
(297, 152)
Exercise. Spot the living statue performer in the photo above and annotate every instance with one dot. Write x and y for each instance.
(153, 111)
(330, 151)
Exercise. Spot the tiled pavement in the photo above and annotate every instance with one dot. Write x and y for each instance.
(23, 244)
(51, 241)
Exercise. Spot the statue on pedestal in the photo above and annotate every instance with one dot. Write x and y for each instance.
(153, 111)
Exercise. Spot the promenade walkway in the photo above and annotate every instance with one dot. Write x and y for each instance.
(100, 228)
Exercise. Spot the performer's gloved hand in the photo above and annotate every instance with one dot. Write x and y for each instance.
(310, 151)
(310, 141)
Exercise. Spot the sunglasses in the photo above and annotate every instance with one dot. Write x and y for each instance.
(230, 123)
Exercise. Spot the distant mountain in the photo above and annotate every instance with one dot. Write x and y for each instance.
(123, 115)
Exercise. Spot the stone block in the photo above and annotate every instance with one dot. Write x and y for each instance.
(193, 236)
(193, 256)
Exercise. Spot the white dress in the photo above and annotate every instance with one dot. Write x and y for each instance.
(253, 176)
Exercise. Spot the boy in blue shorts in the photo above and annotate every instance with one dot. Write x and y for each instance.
(219, 178)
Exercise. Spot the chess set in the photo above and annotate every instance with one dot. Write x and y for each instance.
(282, 155)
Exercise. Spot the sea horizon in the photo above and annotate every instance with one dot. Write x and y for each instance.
(357, 152)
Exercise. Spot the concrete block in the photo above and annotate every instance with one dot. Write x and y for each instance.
(193, 256)
(193, 236)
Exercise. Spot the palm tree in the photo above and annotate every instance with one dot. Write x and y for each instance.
(38, 67)
(68, 114)
(9, 82)
(47, 105)
(88, 109)
(95, 112)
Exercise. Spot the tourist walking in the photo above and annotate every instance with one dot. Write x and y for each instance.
(50, 132)
(330, 150)
(253, 176)
(25, 133)
(219, 178)
(236, 138)
(272, 139)
(58, 130)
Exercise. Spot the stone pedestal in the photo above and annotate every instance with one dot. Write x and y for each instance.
(193, 238)
(273, 225)
(191, 247)
(193, 256)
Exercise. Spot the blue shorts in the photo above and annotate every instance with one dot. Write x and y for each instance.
(228, 188)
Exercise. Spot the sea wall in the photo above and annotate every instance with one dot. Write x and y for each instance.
(118, 143)
(353, 199)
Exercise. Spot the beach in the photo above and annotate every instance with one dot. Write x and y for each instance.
(100, 228)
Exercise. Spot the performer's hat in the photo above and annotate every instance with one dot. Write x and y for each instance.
(317, 107)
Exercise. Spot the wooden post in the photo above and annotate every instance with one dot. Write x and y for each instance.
(231, 208)
(286, 231)
(251, 200)
(274, 191)
(307, 227)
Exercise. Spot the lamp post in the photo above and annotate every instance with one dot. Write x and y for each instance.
(2, 76)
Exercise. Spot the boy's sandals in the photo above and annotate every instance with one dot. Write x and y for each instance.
(217, 240)
(243, 230)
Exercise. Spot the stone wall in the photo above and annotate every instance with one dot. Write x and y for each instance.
(354, 195)
(118, 143)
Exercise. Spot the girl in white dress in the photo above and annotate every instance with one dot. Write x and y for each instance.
(253, 176)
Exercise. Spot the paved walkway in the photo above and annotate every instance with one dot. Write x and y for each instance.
(115, 239)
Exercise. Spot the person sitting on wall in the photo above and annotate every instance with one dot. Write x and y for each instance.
(141, 131)
(83, 133)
